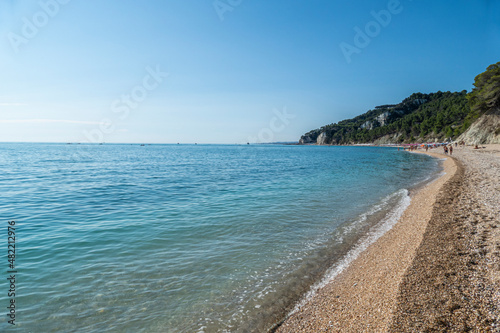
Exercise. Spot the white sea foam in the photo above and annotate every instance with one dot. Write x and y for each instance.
(373, 235)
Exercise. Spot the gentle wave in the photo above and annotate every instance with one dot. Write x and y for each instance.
(168, 238)
(373, 235)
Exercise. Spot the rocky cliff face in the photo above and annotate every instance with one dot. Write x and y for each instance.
(316, 139)
(308, 139)
(485, 130)
(388, 139)
(380, 120)
(322, 139)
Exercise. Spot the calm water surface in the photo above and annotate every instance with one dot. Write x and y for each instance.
(181, 238)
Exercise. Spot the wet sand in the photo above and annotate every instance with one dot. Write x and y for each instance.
(437, 269)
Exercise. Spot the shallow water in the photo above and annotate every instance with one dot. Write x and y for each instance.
(183, 238)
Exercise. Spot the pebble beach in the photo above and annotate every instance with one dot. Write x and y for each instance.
(437, 269)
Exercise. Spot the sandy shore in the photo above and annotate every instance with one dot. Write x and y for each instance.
(437, 269)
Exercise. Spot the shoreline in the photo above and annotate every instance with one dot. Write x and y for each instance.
(454, 282)
(364, 295)
(437, 269)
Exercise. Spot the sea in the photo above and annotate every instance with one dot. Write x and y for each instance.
(187, 238)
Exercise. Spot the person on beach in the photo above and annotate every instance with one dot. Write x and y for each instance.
(426, 148)
(445, 148)
(451, 150)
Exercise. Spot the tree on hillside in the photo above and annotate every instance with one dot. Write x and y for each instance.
(424, 116)
(486, 94)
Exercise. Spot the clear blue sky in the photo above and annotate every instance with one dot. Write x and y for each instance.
(80, 70)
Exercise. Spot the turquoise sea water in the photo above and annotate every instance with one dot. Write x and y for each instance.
(185, 238)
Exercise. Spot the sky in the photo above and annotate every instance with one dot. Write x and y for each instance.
(227, 71)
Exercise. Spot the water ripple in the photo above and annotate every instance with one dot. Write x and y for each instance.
(185, 238)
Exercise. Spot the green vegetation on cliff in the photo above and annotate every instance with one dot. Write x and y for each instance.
(486, 94)
(418, 118)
